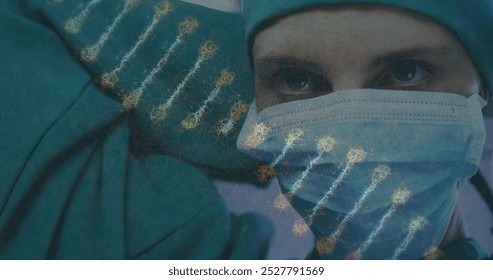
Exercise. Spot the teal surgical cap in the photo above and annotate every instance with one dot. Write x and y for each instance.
(470, 20)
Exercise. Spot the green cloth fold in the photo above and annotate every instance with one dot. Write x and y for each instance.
(82, 176)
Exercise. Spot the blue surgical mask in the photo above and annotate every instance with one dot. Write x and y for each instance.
(374, 173)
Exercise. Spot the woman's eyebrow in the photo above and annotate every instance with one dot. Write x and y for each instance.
(269, 62)
(414, 52)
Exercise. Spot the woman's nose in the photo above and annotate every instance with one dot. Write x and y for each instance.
(348, 79)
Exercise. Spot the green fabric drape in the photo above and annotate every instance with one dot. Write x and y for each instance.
(85, 177)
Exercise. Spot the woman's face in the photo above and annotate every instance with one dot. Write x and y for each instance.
(316, 52)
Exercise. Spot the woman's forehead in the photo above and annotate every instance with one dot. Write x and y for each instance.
(357, 28)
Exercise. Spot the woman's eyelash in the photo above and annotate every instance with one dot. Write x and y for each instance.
(297, 80)
(395, 73)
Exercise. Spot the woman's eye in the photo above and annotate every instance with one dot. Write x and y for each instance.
(406, 73)
(297, 81)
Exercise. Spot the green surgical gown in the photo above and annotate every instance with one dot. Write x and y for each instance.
(115, 118)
